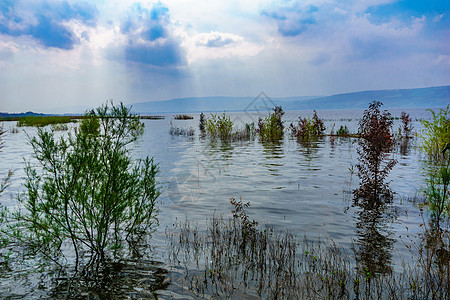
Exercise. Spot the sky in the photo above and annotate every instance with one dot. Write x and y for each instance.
(58, 55)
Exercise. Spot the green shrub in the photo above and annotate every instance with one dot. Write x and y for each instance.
(343, 131)
(437, 191)
(436, 134)
(219, 127)
(271, 128)
(86, 192)
(308, 129)
(375, 143)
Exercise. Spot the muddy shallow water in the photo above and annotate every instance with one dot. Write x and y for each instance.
(306, 189)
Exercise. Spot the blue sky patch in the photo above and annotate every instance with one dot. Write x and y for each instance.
(406, 9)
(46, 26)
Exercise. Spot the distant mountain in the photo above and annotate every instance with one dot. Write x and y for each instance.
(404, 98)
(212, 104)
(17, 115)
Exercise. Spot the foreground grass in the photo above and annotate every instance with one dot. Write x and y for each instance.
(234, 257)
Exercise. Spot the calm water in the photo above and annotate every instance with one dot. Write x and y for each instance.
(306, 190)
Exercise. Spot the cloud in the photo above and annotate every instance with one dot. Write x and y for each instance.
(149, 25)
(292, 17)
(162, 55)
(46, 22)
(149, 38)
(436, 13)
(217, 39)
(320, 58)
(218, 45)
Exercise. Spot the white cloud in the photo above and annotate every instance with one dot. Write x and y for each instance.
(216, 45)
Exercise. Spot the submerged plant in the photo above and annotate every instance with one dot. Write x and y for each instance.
(343, 131)
(86, 193)
(222, 127)
(7, 180)
(375, 143)
(438, 192)
(235, 257)
(201, 124)
(308, 129)
(181, 131)
(2, 133)
(407, 127)
(435, 144)
(183, 117)
(271, 128)
(436, 135)
(219, 127)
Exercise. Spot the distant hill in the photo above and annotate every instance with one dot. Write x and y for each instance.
(400, 98)
(406, 98)
(18, 115)
(212, 104)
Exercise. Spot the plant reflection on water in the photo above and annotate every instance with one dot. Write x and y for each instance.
(235, 257)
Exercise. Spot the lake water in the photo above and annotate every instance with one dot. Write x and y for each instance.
(303, 189)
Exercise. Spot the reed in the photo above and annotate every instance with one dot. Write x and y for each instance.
(183, 117)
(181, 131)
(235, 257)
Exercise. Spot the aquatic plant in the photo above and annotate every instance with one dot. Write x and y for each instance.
(235, 257)
(343, 131)
(152, 117)
(373, 168)
(436, 135)
(271, 128)
(221, 127)
(40, 121)
(181, 131)
(201, 124)
(407, 127)
(435, 139)
(85, 193)
(183, 117)
(308, 129)
(2, 133)
(7, 180)
(60, 127)
(245, 134)
(438, 192)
